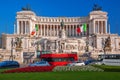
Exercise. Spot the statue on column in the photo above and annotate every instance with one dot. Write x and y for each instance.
(62, 24)
(62, 32)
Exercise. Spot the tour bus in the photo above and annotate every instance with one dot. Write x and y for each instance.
(110, 59)
(59, 59)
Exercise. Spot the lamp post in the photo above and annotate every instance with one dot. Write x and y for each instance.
(115, 44)
(87, 47)
(93, 40)
(11, 55)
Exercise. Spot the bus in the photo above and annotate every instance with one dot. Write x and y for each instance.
(110, 59)
(59, 59)
(42, 52)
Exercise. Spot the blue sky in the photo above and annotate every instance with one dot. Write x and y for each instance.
(8, 9)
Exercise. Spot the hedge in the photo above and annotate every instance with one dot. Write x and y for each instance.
(108, 68)
(76, 68)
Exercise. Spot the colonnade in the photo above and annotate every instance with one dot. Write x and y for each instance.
(53, 30)
(23, 27)
(100, 27)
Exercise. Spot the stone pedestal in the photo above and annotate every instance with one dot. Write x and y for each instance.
(62, 34)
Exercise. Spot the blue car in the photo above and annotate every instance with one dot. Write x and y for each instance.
(40, 63)
(89, 61)
(9, 64)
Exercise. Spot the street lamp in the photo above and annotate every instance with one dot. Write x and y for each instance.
(93, 40)
(87, 45)
(11, 55)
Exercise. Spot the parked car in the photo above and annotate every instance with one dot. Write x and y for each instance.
(9, 64)
(89, 61)
(40, 63)
(76, 63)
(99, 63)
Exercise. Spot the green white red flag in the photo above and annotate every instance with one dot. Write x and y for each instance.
(33, 32)
(82, 28)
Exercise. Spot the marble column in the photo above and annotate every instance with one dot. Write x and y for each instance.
(103, 23)
(102, 27)
(94, 26)
(42, 30)
(73, 30)
(25, 27)
(76, 29)
(98, 26)
(22, 27)
(57, 29)
(54, 30)
(47, 30)
(90, 27)
(67, 30)
(18, 27)
(50, 30)
(106, 28)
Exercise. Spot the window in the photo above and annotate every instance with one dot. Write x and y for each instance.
(58, 59)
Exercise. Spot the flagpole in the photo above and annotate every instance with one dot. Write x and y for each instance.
(109, 28)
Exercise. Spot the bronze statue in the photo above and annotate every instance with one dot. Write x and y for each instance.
(96, 7)
(18, 42)
(27, 8)
(108, 42)
(62, 24)
(107, 46)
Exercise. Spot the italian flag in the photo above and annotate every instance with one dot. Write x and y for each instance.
(33, 32)
(36, 27)
(83, 28)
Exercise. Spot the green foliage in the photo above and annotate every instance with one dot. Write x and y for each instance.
(108, 68)
(76, 68)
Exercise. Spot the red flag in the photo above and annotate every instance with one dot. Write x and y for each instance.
(78, 30)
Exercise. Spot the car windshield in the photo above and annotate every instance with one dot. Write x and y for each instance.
(77, 62)
(41, 62)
